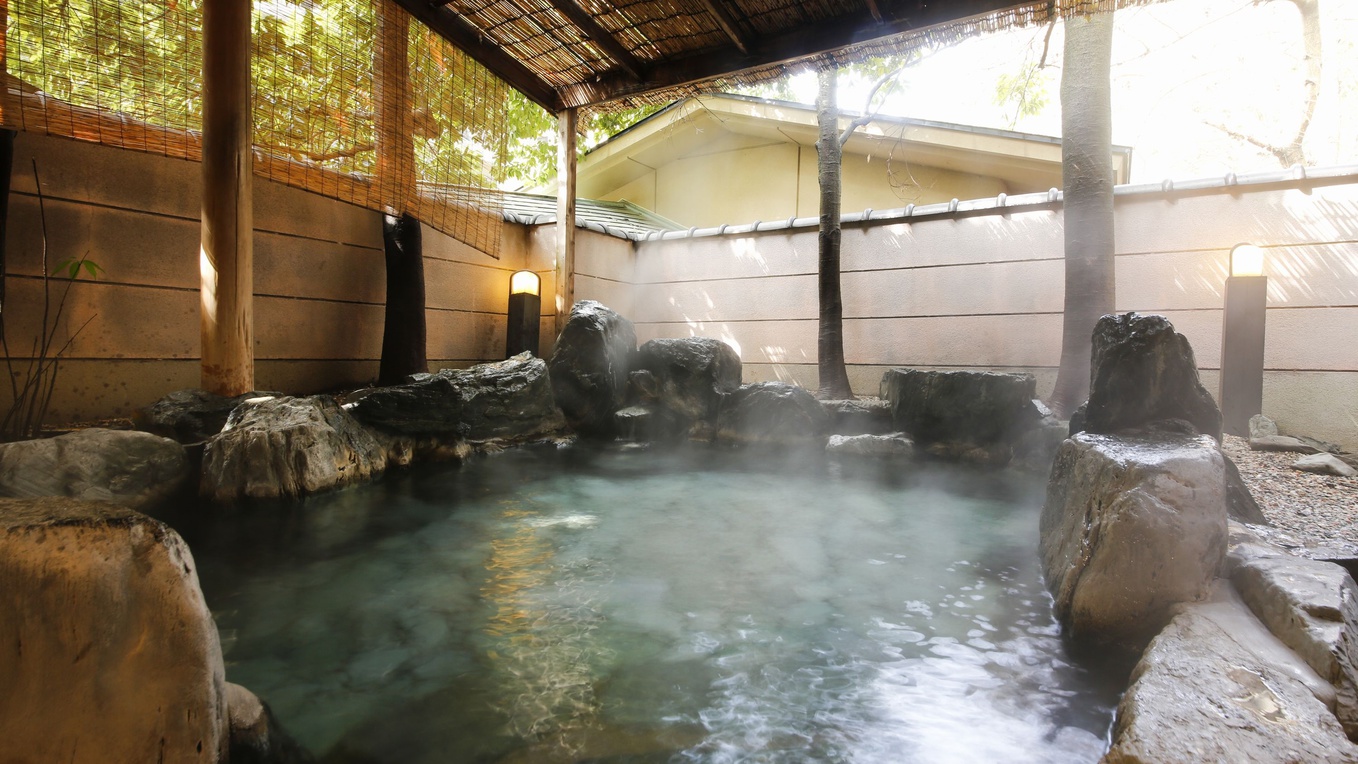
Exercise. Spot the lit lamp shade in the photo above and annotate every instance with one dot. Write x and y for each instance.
(1247, 260)
(524, 282)
(525, 307)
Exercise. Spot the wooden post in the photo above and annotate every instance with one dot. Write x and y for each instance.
(226, 261)
(565, 217)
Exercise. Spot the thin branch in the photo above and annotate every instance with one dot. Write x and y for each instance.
(868, 114)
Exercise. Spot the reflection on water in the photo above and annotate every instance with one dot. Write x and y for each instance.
(547, 605)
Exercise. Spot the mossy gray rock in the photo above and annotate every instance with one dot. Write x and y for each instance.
(289, 447)
(688, 375)
(192, 415)
(108, 652)
(589, 368)
(510, 400)
(134, 469)
(1216, 686)
(772, 413)
(1132, 525)
(1312, 606)
(979, 408)
(1143, 371)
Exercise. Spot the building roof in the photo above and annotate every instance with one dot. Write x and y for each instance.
(579, 53)
(1030, 162)
(623, 219)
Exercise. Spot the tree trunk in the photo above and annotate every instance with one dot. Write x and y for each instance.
(1087, 174)
(834, 379)
(6, 168)
(403, 334)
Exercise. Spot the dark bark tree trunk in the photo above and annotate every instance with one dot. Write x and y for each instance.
(6, 168)
(834, 379)
(403, 334)
(1087, 174)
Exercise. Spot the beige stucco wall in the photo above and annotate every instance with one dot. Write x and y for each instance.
(979, 291)
(319, 281)
(775, 181)
(986, 292)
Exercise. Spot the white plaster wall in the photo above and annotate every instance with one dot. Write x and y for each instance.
(985, 291)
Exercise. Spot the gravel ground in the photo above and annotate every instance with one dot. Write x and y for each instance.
(1315, 510)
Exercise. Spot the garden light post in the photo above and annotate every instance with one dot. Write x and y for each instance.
(525, 307)
(1242, 339)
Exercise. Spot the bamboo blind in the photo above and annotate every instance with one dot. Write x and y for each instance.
(128, 73)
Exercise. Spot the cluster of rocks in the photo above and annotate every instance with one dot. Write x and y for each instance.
(598, 384)
(1247, 652)
(1320, 457)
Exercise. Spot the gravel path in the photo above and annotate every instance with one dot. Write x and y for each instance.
(1315, 510)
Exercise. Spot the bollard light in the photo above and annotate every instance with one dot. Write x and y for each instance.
(525, 305)
(1242, 339)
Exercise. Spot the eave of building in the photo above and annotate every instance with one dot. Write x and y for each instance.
(705, 124)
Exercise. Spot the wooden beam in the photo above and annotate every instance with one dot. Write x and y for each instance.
(599, 36)
(457, 30)
(728, 24)
(875, 11)
(565, 216)
(801, 43)
(226, 259)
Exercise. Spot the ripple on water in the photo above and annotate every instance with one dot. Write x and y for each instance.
(559, 606)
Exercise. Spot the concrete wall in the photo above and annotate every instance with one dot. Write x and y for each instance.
(319, 282)
(949, 291)
(985, 291)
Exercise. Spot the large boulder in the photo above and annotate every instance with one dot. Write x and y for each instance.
(510, 399)
(969, 407)
(1132, 525)
(589, 368)
(773, 413)
(1143, 372)
(1215, 686)
(689, 375)
(289, 447)
(134, 469)
(107, 649)
(191, 416)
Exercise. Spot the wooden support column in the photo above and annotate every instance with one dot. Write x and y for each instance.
(565, 217)
(226, 261)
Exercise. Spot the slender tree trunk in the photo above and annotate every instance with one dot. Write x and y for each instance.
(1087, 174)
(403, 335)
(834, 379)
(6, 168)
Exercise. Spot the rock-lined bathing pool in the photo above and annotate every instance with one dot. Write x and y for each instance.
(548, 604)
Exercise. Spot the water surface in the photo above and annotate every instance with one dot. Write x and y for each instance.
(546, 604)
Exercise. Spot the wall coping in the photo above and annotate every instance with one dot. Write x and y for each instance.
(1296, 176)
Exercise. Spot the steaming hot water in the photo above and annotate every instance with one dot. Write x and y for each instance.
(549, 604)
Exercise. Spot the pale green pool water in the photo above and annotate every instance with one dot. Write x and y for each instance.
(548, 604)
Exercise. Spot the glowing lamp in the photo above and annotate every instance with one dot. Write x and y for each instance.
(1242, 339)
(524, 282)
(1247, 260)
(525, 307)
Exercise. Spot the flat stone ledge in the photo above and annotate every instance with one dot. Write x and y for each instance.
(1216, 686)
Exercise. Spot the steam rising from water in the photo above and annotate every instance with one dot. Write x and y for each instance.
(689, 607)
